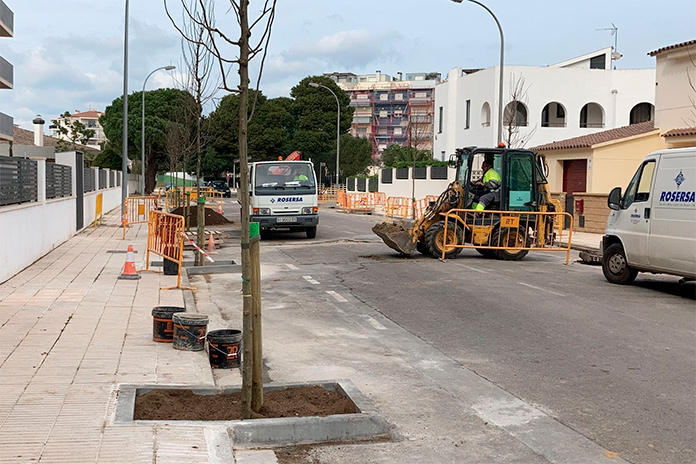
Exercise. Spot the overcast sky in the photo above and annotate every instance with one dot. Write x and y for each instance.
(68, 54)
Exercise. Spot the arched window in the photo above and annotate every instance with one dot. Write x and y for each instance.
(515, 114)
(592, 115)
(553, 115)
(642, 112)
(486, 115)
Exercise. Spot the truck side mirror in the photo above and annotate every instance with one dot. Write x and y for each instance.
(455, 161)
(614, 200)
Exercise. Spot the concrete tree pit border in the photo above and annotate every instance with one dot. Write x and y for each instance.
(365, 424)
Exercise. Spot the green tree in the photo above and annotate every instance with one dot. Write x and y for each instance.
(161, 108)
(270, 131)
(356, 155)
(315, 110)
(76, 132)
(108, 158)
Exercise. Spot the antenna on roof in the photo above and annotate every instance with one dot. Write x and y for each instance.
(615, 55)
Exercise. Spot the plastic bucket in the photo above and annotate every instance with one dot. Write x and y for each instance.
(224, 348)
(189, 331)
(162, 329)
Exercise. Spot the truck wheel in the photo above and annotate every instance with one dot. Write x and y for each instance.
(435, 238)
(422, 248)
(509, 237)
(311, 231)
(615, 267)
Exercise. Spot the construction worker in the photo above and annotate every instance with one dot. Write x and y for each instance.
(491, 182)
(298, 176)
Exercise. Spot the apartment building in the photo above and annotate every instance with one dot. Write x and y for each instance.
(391, 110)
(541, 104)
(6, 70)
(90, 119)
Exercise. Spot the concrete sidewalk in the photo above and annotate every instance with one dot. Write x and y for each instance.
(71, 332)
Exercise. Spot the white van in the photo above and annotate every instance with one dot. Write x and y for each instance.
(652, 227)
(283, 195)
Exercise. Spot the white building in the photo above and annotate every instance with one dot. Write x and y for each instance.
(569, 99)
(90, 119)
(6, 70)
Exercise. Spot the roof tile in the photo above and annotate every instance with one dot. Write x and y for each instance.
(586, 141)
(684, 131)
(672, 47)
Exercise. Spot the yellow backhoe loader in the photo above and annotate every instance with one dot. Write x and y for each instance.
(507, 229)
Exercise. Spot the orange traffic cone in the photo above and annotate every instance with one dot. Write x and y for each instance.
(129, 272)
(219, 208)
(211, 244)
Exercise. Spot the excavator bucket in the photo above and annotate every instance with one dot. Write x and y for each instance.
(395, 236)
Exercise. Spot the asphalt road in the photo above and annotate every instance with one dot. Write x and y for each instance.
(616, 364)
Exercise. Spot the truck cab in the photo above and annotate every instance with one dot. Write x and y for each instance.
(652, 226)
(283, 196)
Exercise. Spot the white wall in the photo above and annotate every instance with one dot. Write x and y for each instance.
(423, 187)
(30, 230)
(617, 91)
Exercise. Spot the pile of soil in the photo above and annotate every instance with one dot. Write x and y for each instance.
(291, 402)
(212, 217)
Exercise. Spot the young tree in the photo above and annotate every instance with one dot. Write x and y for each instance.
(244, 52)
(515, 114)
(72, 129)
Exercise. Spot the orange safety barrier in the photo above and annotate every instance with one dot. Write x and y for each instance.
(505, 230)
(359, 203)
(136, 210)
(422, 204)
(165, 238)
(380, 198)
(398, 207)
(341, 200)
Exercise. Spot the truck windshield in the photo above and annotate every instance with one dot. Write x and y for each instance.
(280, 178)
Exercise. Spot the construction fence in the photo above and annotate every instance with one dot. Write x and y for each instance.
(165, 238)
(507, 230)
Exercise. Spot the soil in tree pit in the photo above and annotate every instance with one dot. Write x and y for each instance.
(212, 217)
(291, 402)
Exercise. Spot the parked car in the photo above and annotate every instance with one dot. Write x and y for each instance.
(221, 186)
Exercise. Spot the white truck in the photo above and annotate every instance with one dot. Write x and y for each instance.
(652, 226)
(283, 195)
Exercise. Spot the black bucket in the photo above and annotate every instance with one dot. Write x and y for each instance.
(224, 348)
(162, 329)
(170, 267)
(189, 331)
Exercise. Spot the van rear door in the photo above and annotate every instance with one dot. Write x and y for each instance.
(673, 225)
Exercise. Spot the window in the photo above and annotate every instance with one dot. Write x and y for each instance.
(398, 96)
(486, 115)
(638, 189)
(520, 181)
(642, 112)
(598, 62)
(439, 127)
(468, 114)
(383, 113)
(398, 131)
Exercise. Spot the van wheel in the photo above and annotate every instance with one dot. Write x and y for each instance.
(435, 239)
(615, 267)
(311, 231)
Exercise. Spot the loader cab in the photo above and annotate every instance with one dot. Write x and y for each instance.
(518, 170)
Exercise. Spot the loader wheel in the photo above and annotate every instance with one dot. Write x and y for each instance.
(435, 238)
(509, 237)
(422, 248)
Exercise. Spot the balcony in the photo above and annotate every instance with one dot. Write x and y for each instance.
(6, 127)
(6, 21)
(6, 74)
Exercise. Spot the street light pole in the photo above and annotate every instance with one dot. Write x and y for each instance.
(500, 79)
(124, 148)
(142, 131)
(338, 125)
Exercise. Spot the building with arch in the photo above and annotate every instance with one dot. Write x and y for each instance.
(541, 104)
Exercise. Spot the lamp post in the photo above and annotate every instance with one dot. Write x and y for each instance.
(338, 125)
(500, 83)
(142, 131)
(124, 148)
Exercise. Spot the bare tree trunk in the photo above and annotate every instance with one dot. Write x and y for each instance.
(244, 190)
